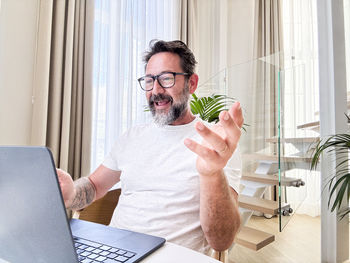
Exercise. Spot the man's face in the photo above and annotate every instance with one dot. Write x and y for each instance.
(167, 105)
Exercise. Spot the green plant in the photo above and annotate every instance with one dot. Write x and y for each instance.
(209, 108)
(339, 143)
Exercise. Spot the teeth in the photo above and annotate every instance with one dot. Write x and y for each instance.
(163, 102)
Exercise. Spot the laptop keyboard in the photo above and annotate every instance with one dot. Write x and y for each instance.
(92, 252)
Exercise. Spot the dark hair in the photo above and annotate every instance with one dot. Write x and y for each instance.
(187, 59)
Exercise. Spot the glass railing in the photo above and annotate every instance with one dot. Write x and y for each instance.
(278, 106)
(298, 115)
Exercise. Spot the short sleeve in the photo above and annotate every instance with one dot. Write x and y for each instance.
(111, 160)
(233, 170)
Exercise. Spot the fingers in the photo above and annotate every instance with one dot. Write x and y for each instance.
(60, 175)
(200, 149)
(236, 114)
(64, 178)
(67, 186)
(215, 140)
(222, 138)
(207, 154)
(232, 130)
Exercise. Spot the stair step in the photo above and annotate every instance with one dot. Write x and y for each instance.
(294, 140)
(252, 184)
(261, 205)
(274, 158)
(253, 238)
(272, 179)
(314, 125)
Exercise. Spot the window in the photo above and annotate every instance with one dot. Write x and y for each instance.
(123, 30)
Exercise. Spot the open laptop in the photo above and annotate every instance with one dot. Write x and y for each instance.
(34, 225)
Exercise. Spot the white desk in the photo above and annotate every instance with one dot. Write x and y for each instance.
(172, 253)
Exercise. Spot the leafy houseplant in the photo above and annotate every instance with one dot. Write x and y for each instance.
(341, 180)
(209, 108)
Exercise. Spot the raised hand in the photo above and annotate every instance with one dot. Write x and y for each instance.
(219, 141)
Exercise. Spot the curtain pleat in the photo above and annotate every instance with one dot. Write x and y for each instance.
(268, 45)
(63, 122)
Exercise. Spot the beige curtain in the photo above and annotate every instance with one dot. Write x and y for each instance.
(63, 83)
(189, 25)
(268, 47)
(268, 44)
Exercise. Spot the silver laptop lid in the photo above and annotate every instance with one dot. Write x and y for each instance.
(33, 221)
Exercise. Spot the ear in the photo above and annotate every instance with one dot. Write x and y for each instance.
(193, 82)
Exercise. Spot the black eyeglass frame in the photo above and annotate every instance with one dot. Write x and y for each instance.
(157, 76)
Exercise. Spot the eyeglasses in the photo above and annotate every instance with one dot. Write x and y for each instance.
(165, 80)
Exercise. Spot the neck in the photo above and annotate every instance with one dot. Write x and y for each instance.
(184, 119)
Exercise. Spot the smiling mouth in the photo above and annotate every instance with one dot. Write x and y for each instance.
(162, 102)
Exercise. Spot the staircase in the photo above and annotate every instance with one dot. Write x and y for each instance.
(261, 205)
(266, 175)
(272, 179)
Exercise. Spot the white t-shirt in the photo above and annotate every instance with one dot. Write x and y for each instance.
(160, 183)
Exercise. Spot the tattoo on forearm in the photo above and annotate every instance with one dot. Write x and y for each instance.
(85, 194)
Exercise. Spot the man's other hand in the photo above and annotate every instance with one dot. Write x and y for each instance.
(67, 187)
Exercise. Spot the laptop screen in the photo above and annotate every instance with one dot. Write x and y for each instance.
(33, 222)
(34, 226)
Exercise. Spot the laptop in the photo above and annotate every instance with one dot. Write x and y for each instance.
(34, 226)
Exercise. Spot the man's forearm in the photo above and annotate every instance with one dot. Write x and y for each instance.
(219, 213)
(85, 194)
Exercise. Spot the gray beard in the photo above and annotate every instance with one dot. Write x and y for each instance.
(177, 110)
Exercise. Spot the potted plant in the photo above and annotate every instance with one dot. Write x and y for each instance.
(341, 179)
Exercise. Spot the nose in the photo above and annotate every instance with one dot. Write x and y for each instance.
(157, 89)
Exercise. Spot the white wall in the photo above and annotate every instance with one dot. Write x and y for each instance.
(18, 27)
(225, 42)
(225, 35)
(347, 40)
(241, 43)
(241, 31)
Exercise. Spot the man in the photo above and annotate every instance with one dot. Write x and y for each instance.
(171, 171)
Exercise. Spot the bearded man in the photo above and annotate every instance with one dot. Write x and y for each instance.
(179, 176)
